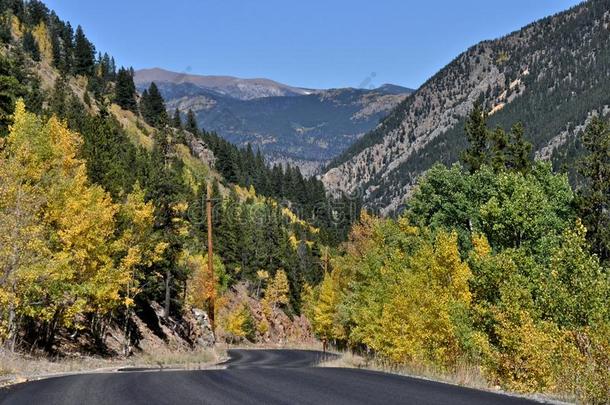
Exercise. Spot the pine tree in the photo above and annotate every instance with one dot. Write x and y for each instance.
(594, 197)
(477, 133)
(84, 54)
(177, 120)
(67, 55)
(499, 149)
(519, 150)
(30, 46)
(36, 12)
(152, 107)
(191, 123)
(125, 91)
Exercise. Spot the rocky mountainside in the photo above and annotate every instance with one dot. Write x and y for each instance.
(552, 75)
(290, 125)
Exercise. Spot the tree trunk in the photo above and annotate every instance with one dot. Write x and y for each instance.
(168, 275)
(127, 334)
(12, 328)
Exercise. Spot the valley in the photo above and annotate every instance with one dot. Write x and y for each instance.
(289, 125)
(171, 237)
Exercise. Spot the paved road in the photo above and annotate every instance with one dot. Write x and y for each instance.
(250, 377)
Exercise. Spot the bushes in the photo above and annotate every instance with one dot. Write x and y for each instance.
(497, 272)
(240, 324)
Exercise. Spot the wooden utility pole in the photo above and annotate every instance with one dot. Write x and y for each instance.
(211, 258)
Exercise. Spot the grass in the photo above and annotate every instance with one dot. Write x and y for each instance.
(465, 375)
(17, 368)
(129, 122)
(188, 360)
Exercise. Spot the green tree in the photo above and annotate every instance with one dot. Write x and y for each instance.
(519, 150)
(152, 107)
(191, 123)
(476, 154)
(84, 54)
(31, 46)
(499, 147)
(594, 196)
(125, 90)
(177, 120)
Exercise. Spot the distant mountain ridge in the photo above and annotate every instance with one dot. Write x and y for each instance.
(242, 89)
(308, 127)
(552, 75)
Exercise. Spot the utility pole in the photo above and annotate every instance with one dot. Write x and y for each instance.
(211, 258)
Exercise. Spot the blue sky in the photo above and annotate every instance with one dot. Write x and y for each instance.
(313, 43)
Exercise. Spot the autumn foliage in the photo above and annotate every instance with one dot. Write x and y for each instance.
(68, 254)
(491, 270)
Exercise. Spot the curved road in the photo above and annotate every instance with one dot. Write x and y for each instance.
(250, 377)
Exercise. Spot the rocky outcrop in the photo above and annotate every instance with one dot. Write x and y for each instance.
(270, 325)
(200, 150)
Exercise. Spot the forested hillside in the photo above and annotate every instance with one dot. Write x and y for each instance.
(102, 201)
(551, 75)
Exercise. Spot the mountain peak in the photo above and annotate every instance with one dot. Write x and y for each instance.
(242, 89)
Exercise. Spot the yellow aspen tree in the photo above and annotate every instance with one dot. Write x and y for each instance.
(137, 249)
(277, 290)
(201, 288)
(23, 249)
(73, 231)
(41, 34)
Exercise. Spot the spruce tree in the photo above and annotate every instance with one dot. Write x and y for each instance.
(125, 91)
(594, 197)
(191, 123)
(177, 120)
(499, 149)
(475, 155)
(519, 150)
(84, 54)
(144, 104)
(152, 107)
(67, 54)
(30, 46)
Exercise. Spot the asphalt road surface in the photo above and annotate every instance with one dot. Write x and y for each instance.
(250, 377)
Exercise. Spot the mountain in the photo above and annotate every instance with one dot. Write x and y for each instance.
(241, 89)
(552, 75)
(290, 125)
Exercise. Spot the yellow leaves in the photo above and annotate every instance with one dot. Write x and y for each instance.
(452, 272)
(140, 213)
(262, 275)
(67, 255)
(41, 34)
(239, 322)
(502, 58)
(16, 27)
(293, 241)
(525, 360)
(277, 290)
(263, 326)
(202, 285)
(416, 324)
(480, 245)
(405, 226)
(325, 312)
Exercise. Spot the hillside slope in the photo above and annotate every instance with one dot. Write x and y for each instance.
(551, 75)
